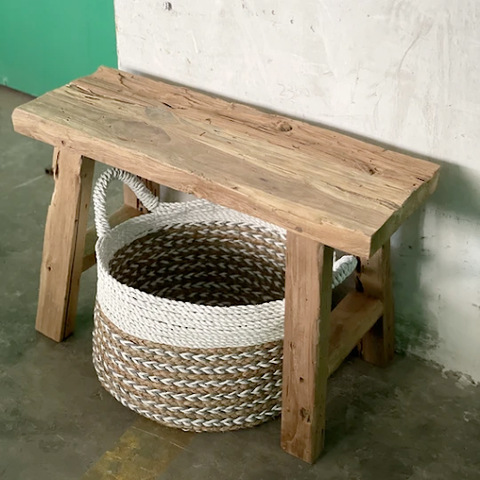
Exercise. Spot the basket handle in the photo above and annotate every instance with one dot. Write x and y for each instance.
(102, 224)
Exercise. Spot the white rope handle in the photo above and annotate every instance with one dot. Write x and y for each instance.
(343, 268)
(149, 200)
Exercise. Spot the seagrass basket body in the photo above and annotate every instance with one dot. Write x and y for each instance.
(189, 312)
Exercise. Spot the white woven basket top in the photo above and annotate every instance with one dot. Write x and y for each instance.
(177, 323)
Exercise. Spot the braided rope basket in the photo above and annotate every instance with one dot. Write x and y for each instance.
(189, 313)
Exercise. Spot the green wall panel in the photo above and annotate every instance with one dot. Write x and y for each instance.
(46, 43)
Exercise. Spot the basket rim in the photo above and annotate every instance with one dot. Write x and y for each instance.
(103, 267)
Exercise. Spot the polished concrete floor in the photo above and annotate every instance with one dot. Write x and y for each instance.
(408, 421)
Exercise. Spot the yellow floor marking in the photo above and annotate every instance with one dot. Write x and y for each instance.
(143, 452)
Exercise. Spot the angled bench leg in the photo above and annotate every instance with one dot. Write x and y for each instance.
(308, 298)
(378, 345)
(63, 244)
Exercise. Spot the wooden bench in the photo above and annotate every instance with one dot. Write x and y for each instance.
(327, 189)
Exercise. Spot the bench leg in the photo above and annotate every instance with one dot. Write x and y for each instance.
(378, 345)
(308, 298)
(63, 244)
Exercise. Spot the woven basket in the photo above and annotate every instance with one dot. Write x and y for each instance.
(189, 313)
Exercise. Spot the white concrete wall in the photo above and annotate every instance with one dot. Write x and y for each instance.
(402, 72)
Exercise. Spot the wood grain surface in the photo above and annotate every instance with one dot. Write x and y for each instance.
(351, 319)
(64, 244)
(308, 301)
(330, 187)
(375, 280)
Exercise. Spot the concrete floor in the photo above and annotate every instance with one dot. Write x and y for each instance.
(409, 421)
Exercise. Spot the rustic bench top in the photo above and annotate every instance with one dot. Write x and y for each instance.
(338, 190)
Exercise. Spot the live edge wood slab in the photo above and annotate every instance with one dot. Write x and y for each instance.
(330, 191)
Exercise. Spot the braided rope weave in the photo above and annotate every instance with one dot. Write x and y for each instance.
(189, 315)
